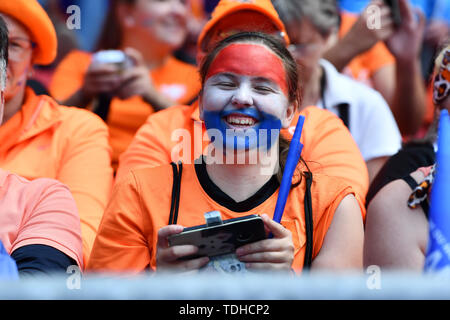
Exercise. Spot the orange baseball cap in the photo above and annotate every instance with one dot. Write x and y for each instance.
(230, 15)
(35, 19)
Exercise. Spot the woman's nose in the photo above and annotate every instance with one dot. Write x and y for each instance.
(242, 97)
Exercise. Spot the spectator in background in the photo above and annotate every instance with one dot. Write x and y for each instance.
(328, 146)
(244, 74)
(39, 222)
(67, 41)
(401, 82)
(397, 228)
(196, 20)
(43, 139)
(148, 31)
(312, 26)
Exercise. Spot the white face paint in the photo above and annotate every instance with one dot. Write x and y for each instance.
(226, 92)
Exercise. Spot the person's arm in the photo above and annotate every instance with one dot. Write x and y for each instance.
(408, 102)
(395, 235)
(342, 248)
(49, 238)
(37, 260)
(363, 35)
(85, 167)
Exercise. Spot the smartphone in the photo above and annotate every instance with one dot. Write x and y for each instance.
(221, 238)
(116, 57)
(395, 9)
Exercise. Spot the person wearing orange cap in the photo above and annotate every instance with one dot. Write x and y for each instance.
(43, 139)
(39, 223)
(147, 79)
(328, 145)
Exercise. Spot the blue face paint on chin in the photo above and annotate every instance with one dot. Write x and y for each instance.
(258, 136)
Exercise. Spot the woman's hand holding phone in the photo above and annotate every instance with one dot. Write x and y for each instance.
(168, 258)
(276, 253)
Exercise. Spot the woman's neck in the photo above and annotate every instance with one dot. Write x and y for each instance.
(312, 88)
(241, 181)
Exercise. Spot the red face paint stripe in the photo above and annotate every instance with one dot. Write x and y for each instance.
(250, 60)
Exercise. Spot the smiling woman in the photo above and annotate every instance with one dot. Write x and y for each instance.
(244, 84)
(134, 231)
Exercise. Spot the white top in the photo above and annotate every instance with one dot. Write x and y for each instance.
(371, 121)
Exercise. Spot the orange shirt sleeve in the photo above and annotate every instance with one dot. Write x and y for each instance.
(329, 148)
(121, 244)
(323, 221)
(69, 75)
(85, 167)
(50, 218)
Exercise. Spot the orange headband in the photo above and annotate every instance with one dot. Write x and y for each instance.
(250, 60)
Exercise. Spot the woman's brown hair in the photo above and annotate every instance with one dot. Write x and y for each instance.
(292, 77)
(111, 34)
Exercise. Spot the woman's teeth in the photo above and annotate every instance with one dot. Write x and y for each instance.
(242, 121)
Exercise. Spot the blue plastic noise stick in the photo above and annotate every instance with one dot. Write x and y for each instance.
(438, 256)
(295, 150)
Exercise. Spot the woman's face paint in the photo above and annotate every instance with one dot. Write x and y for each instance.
(244, 96)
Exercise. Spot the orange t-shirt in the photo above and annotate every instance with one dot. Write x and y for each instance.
(365, 65)
(141, 203)
(68, 144)
(177, 80)
(328, 148)
(38, 212)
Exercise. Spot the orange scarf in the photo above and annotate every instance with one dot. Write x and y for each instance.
(12, 130)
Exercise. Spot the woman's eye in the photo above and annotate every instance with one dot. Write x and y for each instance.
(226, 84)
(14, 44)
(263, 89)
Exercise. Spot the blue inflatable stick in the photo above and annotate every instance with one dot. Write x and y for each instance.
(8, 267)
(438, 252)
(295, 150)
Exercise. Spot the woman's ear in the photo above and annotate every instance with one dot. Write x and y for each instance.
(290, 113)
